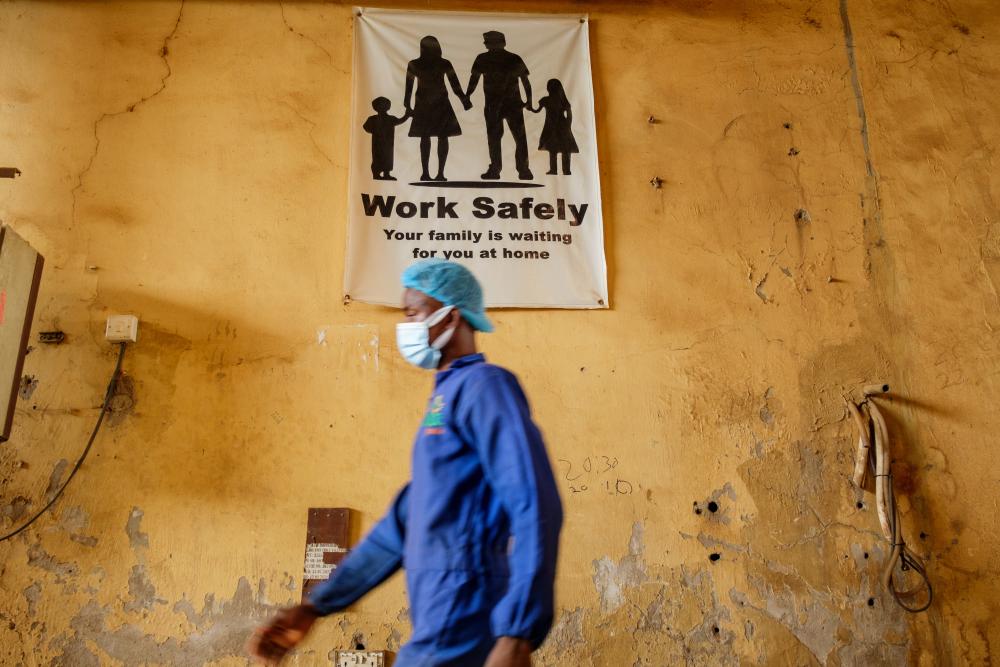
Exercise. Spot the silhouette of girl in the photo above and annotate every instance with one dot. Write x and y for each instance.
(432, 112)
(557, 133)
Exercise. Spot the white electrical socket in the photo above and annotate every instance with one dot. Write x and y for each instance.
(360, 659)
(122, 328)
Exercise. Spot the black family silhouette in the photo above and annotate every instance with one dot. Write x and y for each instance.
(501, 71)
(382, 127)
(431, 115)
(432, 112)
(557, 132)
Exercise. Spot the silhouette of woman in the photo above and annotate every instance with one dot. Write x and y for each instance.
(432, 112)
(557, 132)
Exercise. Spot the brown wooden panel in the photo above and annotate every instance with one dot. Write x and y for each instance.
(327, 530)
(20, 275)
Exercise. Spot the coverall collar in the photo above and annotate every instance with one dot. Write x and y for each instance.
(461, 362)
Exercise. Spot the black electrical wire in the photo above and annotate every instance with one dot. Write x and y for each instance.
(86, 450)
(907, 559)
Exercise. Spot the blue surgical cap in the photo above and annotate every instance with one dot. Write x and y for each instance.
(453, 285)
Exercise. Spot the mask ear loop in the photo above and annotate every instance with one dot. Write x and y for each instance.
(443, 339)
(438, 315)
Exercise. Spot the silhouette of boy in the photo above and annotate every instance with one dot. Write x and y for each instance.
(382, 127)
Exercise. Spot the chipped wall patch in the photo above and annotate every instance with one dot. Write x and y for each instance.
(611, 579)
(136, 537)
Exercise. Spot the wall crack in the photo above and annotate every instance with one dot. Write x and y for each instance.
(291, 29)
(164, 52)
(312, 128)
(871, 177)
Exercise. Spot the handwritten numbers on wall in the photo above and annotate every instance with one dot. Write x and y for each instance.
(595, 474)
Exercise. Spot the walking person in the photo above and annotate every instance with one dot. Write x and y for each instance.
(501, 72)
(557, 132)
(433, 116)
(477, 527)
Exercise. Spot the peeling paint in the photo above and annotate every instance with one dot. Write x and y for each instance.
(136, 537)
(32, 594)
(221, 632)
(15, 509)
(654, 620)
(612, 578)
(394, 640)
(567, 631)
(809, 619)
(765, 411)
(38, 557)
(55, 478)
(710, 542)
(141, 590)
(74, 521)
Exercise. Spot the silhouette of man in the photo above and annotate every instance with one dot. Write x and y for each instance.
(501, 71)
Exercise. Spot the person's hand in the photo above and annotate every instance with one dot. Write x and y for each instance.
(466, 103)
(510, 652)
(271, 642)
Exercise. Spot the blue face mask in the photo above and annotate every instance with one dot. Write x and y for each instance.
(414, 343)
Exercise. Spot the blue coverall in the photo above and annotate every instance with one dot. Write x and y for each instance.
(477, 527)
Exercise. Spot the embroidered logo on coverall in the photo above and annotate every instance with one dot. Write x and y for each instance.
(434, 420)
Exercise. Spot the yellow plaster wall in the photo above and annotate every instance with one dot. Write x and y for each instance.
(187, 163)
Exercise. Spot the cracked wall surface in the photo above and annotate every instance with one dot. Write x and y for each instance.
(828, 217)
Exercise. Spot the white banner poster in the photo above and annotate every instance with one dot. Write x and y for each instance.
(473, 139)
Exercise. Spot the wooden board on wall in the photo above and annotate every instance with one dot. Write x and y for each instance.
(20, 275)
(326, 544)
